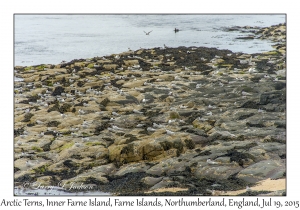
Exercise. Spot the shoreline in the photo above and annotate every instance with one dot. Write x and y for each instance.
(161, 121)
(264, 33)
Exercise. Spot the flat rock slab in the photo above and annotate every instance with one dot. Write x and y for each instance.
(217, 171)
(262, 170)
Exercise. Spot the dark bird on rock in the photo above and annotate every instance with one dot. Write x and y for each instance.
(147, 33)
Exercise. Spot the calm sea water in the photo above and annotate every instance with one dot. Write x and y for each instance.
(49, 39)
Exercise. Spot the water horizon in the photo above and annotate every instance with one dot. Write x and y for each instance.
(50, 39)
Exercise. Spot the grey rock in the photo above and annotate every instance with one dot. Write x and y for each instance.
(261, 170)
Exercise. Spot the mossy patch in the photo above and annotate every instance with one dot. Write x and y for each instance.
(130, 139)
(38, 149)
(128, 149)
(174, 115)
(28, 68)
(41, 67)
(46, 147)
(275, 52)
(27, 117)
(94, 144)
(179, 146)
(166, 145)
(55, 107)
(66, 146)
(91, 65)
(189, 143)
(66, 107)
(41, 169)
(49, 83)
(53, 123)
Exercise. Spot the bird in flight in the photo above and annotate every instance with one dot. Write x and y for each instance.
(147, 33)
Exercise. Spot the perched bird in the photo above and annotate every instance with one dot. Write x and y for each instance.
(137, 112)
(85, 139)
(84, 126)
(209, 161)
(183, 107)
(29, 164)
(63, 116)
(198, 86)
(140, 125)
(41, 134)
(171, 121)
(209, 113)
(145, 100)
(80, 111)
(74, 134)
(61, 100)
(201, 119)
(170, 132)
(157, 125)
(116, 127)
(39, 122)
(211, 107)
(115, 114)
(74, 129)
(252, 70)
(244, 93)
(151, 129)
(19, 143)
(77, 144)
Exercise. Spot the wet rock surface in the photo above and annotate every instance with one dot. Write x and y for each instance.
(194, 118)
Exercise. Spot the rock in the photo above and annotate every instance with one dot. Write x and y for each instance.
(261, 170)
(105, 169)
(217, 171)
(58, 90)
(132, 168)
(206, 126)
(162, 184)
(131, 62)
(151, 180)
(174, 115)
(56, 144)
(105, 102)
(43, 181)
(275, 97)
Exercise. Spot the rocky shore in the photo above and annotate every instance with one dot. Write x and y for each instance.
(161, 121)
